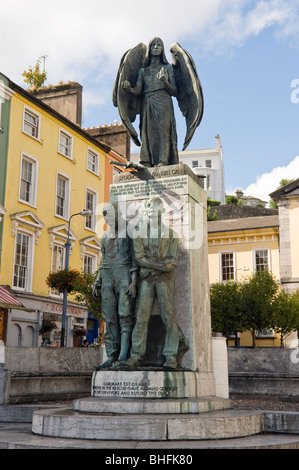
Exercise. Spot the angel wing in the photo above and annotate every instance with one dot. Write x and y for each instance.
(129, 105)
(190, 96)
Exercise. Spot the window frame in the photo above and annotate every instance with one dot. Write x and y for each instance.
(93, 262)
(70, 147)
(61, 245)
(67, 198)
(92, 152)
(29, 267)
(92, 216)
(254, 253)
(221, 253)
(33, 193)
(36, 115)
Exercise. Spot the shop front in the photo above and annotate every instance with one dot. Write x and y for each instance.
(45, 323)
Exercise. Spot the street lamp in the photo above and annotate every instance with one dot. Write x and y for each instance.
(84, 213)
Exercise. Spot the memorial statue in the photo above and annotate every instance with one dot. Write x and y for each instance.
(116, 285)
(144, 85)
(156, 252)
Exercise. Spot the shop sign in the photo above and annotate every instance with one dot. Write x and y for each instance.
(57, 308)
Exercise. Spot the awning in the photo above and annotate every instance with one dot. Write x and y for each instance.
(8, 300)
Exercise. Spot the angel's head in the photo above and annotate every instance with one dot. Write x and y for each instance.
(155, 48)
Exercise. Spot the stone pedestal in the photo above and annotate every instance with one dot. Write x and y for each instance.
(149, 402)
(185, 206)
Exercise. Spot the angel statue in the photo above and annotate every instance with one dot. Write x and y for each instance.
(144, 85)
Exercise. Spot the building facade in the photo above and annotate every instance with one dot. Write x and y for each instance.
(287, 199)
(50, 169)
(208, 163)
(237, 249)
(205, 163)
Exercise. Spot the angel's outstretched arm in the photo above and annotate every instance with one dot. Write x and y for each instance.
(137, 90)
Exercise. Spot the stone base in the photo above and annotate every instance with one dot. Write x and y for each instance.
(71, 424)
(151, 384)
(147, 406)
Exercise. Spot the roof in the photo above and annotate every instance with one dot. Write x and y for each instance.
(244, 223)
(106, 148)
(285, 190)
(8, 300)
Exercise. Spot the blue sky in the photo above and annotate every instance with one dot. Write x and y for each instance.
(246, 53)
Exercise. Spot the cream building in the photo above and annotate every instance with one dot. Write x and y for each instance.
(238, 248)
(287, 199)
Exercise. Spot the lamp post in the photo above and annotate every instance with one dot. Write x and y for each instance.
(84, 213)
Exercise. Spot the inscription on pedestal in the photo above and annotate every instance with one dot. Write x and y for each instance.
(143, 189)
(144, 384)
(131, 389)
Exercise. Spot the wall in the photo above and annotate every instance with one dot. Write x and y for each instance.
(43, 374)
(263, 371)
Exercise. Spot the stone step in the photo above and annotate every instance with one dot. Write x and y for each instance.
(20, 436)
(227, 424)
(150, 406)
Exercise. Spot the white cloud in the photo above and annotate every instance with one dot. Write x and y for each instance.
(269, 182)
(84, 41)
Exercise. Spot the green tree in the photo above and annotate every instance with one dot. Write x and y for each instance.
(226, 315)
(233, 200)
(285, 308)
(282, 183)
(34, 77)
(84, 295)
(257, 296)
(211, 217)
(210, 203)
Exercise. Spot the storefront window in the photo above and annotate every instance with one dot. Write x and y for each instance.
(51, 330)
(79, 332)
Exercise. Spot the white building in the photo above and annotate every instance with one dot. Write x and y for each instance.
(208, 163)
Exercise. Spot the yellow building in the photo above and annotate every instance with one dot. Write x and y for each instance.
(50, 169)
(237, 249)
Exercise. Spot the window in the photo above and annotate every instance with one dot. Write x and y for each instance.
(28, 180)
(195, 164)
(31, 123)
(261, 259)
(93, 162)
(89, 264)
(90, 203)
(62, 197)
(58, 258)
(208, 183)
(227, 267)
(22, 272)
(208, 163)
(65, 144)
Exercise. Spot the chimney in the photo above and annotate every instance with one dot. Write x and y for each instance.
(65, 98)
